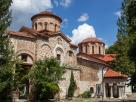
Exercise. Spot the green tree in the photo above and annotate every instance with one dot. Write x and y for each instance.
(125, 46)
(131, 14)
(5, 50)
(121, 47)
(45, 76)
(72, 86)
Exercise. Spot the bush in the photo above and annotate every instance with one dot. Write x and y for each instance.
(86, 94)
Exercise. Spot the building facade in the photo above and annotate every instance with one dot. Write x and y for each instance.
(91, 72)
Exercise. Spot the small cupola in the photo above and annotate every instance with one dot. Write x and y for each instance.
(92, 46)
(46, 21)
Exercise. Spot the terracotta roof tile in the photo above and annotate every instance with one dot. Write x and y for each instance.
(113, 74)
(46, 13)
(92, 59)
(91, 40)
(21, 34)
(108, 57)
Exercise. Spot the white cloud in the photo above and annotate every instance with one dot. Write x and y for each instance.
(65, 3)
(118, 13)
(22, 10)
(82, 32)
(84, 17)
(64, 23)
(56, 3)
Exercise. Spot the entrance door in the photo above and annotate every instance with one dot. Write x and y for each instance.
(115, 90)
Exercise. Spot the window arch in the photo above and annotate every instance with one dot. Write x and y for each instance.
(45, 25)
(59, 54)
(55, 29)
(36, 26)
(59, 41)
(92, 49)
(26, 58)
(99, 49)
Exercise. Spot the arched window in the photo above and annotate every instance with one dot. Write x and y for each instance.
(70, 53)
(59, 54)
(92, 49)
(36, 26)
(99, 50)
(55, 29)
(58, 57)
(24, 57)
(86, 48)
(45, 25)
(59, 41)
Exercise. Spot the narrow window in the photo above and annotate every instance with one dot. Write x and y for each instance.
(86, 48)
(45, 26)
(99, 50)
(24, 57)
(70, 53)
(58, 57)
(36, 26)
(92, 49)
(55, 29)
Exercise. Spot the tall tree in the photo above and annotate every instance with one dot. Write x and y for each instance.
(121, 47)
(125, 46)
(72, 86)
(131, 14)
(5, 51)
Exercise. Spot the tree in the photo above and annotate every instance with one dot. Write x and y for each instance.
(72, 86)
(44, 76)
(121, 47)
(131, 14)
(125, 46)
(5, 50)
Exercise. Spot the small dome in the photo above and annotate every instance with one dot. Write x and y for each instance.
(91, 40)
(46, 13)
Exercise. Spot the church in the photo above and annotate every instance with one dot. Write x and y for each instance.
(87, 60)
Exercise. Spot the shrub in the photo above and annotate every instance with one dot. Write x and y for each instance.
(86, 94)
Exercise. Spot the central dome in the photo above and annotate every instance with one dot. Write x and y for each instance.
(46, 21)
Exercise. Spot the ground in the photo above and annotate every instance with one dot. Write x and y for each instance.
(131, 98)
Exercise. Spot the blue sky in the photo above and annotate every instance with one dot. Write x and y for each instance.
(101, 15)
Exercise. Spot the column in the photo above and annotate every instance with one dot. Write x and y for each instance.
(104, 92)
(111, 90)
(119, 92)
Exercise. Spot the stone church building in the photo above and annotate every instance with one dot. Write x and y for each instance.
(87, 60)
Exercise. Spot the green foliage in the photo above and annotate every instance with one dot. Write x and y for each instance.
(122, 46)
(125, 46)
(72, 86)
(5, 51)
(45, 76)
(86, 94)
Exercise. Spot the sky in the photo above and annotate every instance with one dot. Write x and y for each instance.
(81, 18)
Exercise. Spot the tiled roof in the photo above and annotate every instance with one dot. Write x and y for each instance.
(27, 32)
(91, 40)
(108, 57)
(46, 13)
(113, 74)
(20, 34)
(92, 59)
